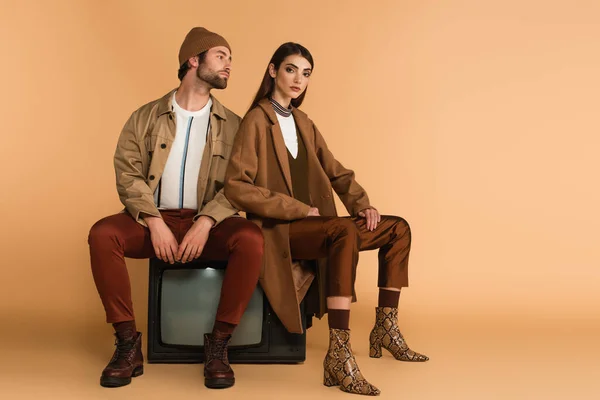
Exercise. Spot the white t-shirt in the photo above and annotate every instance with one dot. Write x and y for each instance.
(290, 135)
(178, 185)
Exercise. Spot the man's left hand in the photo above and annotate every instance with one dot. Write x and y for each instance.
(192, 245)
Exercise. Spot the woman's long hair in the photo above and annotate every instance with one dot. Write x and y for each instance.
(268, 84)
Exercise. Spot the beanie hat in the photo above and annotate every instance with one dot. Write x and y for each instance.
(197, 41)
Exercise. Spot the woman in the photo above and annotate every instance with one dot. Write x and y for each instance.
(282, 174)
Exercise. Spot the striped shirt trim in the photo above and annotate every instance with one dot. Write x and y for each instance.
(281, 110)
(183, 162)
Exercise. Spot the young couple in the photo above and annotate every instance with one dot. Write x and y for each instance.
(185, 165)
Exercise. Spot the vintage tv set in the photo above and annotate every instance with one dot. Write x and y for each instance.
(182, 305)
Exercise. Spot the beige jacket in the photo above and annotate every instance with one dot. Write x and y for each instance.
(259, 182)
(144, 147)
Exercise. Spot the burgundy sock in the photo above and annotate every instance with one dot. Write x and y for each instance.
(223, 327)
(389, 298)
(125, 329)
(338, 319)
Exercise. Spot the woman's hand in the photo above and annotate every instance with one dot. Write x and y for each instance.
(372, 216)
(313, 212)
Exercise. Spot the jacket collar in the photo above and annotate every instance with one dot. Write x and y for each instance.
(165, 106)
(267, 107)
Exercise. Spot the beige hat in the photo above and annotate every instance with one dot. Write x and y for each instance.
(197, 41)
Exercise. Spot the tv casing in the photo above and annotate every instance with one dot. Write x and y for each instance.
(276, 346)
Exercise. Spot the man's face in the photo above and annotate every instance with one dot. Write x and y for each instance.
(216, 67)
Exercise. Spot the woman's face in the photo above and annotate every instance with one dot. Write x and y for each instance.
(291, 79)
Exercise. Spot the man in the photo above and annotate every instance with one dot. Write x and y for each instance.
(170, 167)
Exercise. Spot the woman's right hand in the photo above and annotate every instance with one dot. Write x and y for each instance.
(313, 212)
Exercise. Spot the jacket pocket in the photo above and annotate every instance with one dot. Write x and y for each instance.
(221, 149)
(220, 158)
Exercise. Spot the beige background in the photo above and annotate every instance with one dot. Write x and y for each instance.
(475, 120)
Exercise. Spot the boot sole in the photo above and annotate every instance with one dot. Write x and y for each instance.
(219, 383)
(112, 382)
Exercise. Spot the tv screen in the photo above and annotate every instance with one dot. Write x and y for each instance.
(189, 305)
(182, 304)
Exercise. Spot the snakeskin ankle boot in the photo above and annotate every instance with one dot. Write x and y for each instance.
(386, 334)
(341, 368)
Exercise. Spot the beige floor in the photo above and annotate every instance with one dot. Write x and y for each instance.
(472, 357)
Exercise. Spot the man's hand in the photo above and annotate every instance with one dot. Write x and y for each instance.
(313, 212)
(372, 216)
(194, 240)
(163, 240)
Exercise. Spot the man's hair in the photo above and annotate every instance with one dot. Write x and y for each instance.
(186, 65)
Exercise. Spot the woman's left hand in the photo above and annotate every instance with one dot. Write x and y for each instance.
(372, 216)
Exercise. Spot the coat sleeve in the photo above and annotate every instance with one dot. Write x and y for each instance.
(342, 180)
(134, 192)
(218, 208)
(241, 174)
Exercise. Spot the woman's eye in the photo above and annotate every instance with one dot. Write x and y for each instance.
(307, 74)
(290, 70)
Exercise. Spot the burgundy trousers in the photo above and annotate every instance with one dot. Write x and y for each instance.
(236, 240)
(340, 239)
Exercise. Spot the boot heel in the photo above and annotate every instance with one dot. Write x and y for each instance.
(328, 379)
(375, 349)
(138, 371)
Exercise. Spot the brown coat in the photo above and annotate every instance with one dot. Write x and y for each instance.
(258, 181)
(144, 147)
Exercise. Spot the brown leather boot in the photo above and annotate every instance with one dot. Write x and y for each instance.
(217, 371)
(126, 362)
(386, 334)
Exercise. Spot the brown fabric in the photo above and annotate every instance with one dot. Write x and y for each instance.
(388, 298)
(298, 168)
(223, 328)
(199, 40)
(235, 240)
(143, 150)
(338, 319)
(340, 240)
(125, 329)
(258, 181)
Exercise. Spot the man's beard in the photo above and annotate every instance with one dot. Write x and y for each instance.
(212, 78)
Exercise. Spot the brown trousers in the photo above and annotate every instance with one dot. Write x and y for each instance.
(339, 239)
(235, 240)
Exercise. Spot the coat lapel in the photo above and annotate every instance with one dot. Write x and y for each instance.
(304, 130)
(278, 143)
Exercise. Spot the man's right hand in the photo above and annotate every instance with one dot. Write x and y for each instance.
(164, 242)
(313, 212)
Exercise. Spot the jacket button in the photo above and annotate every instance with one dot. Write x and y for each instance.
(151, 177)
(285, 254)
(163, 146)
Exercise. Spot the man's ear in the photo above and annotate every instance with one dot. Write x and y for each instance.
(193, 62)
